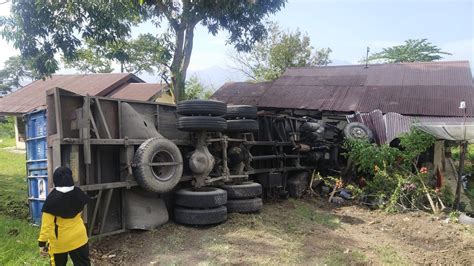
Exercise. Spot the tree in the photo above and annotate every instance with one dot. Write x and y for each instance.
(88, 60)
(418, 50)
(281, 50)
(40, 29)
(15, 70)
(146, 53)
(149, 54)
(196, 90)
(322, 57)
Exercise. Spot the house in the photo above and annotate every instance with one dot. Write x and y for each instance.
(118, 85)
(388, 98)
(432, 89)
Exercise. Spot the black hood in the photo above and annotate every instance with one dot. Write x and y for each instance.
(65, 205)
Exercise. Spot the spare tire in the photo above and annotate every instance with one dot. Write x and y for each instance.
(201, 107)
(356, 130)
(246, 190)
(242, 125)
(200, 217)
(245, 205)
(241, 111)
(205, 197)
(202, 123)
(158, 165)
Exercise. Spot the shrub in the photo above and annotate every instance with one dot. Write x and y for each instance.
(447, 195)
(393, 181)
(7, 128)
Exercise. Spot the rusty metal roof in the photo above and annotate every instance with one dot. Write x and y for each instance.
(389, 126)
(419, 89)
(138, 91)
(33, 95)
(241, 92)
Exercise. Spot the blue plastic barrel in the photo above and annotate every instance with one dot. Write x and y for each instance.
(36, 162)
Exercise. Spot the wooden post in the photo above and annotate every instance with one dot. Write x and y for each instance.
(462, 157)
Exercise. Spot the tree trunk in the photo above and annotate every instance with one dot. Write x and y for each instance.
(176, 75)
(182, 57)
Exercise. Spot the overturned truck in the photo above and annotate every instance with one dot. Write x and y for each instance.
(144, 162)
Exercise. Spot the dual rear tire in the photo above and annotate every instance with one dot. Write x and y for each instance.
(201, 115)
(210, 205)
(244, 198)
(200, 206)
(241, 119)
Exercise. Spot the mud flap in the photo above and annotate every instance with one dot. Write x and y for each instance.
(144, 210)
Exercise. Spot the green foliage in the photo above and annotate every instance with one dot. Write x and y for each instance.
(391, 184)
(7, 128)
(146, 53)
(196, 90)
(149, 54)
(89, 61)
(414, 143)
(418, 50)
(447, 195)
(13, 199)
(367, 156)
(14, 71)
(281, 50)
(454, 216)
(41, 29)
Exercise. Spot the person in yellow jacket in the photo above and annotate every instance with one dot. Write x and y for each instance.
(62, 229)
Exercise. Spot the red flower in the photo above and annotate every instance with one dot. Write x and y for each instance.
(424, 170)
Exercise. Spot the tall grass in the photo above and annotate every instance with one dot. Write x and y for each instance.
(18, 245)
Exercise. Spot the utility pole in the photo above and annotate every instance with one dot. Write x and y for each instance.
(367, 57)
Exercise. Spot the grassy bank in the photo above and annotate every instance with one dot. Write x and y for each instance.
(18, 245)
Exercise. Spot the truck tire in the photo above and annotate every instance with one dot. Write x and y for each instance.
(206, 197)
(201, 107)
(356, 130)
(158, 178)
(202, 123)
(247, 190)
(245, 205)
(200, 216)
(242, 125)
(241, 111)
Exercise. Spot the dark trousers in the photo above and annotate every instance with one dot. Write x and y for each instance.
(79, 257)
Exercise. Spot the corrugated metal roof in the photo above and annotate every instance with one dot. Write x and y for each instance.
(391, 125)
(33, 96)
(241, 92)
(138, 91)
(424, 89)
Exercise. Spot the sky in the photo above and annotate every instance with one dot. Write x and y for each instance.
(346, 26)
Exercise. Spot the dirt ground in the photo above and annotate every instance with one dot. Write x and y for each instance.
(306, 231)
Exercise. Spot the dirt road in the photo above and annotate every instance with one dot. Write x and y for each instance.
(308, 231)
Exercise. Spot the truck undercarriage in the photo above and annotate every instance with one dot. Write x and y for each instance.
(140, 161)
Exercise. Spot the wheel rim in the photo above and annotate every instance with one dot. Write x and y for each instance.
(358, 132)
(163, 165)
